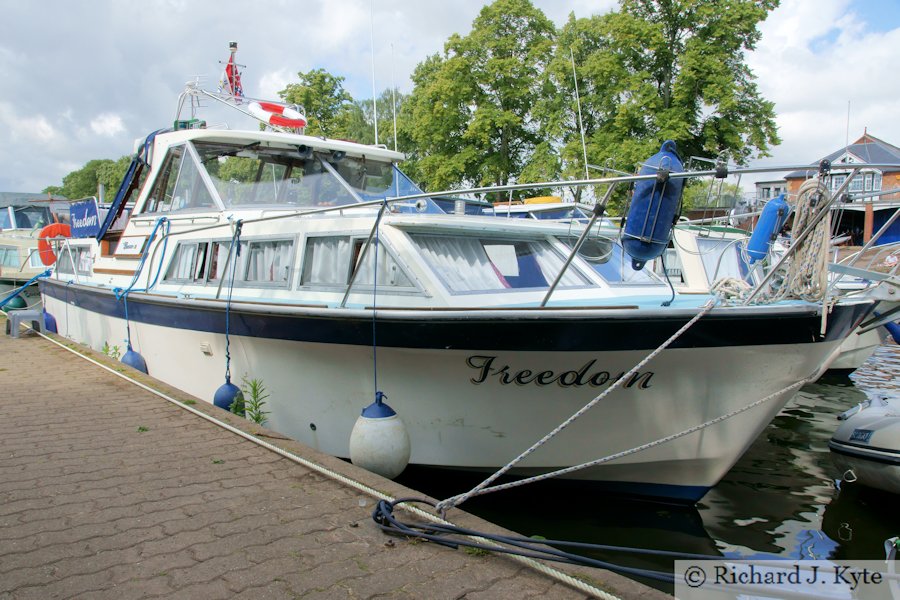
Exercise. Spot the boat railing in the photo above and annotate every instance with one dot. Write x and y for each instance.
(384, 203)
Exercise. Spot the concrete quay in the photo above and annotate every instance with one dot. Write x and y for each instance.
(110, 491)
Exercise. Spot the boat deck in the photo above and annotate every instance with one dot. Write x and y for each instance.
(108, 490)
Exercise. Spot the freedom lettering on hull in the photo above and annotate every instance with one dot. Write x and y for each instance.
(586, 375)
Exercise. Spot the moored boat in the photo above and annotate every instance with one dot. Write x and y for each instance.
(21, 225)
(318, 267)
(866, 445)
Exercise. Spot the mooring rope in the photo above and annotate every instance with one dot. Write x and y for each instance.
(234, 252)
(15, 292)
(448, 503)
(648, 445)
(121, 294)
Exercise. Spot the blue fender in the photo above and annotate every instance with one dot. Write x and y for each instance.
(653, 207)
(770, 222)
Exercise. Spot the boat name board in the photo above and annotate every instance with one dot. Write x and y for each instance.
(85, 219)
(131, 246)
(586, 375)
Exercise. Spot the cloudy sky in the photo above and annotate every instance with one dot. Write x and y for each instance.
(83, 79)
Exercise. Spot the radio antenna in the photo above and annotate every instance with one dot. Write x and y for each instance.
(580, 124)
(393, 96)
(374, 101)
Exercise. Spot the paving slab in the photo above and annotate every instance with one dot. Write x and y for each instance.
(110, 491)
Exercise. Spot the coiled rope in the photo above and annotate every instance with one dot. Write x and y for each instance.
(805, 276)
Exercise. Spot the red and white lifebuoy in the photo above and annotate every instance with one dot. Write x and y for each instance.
(48, 233)
(277, 114)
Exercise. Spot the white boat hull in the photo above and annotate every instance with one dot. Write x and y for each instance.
(856, 349)
(478, 409)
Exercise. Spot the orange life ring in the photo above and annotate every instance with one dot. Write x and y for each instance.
(276, 114)
(54, 230)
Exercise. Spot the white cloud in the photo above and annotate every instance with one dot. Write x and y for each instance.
(114, 63)
(107, 124)
(273, 82)
(25, 129)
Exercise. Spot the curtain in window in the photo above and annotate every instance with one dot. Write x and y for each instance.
(461, 262)
(389, 273)
(183, 262)
(218, 258)
(327, 260)
(269, 261)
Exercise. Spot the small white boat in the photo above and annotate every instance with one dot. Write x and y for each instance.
(866, 445)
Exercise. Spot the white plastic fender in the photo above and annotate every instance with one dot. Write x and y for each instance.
(380, 445)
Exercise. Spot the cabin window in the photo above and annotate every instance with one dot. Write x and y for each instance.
(184, 262)
(608, 259)
(856, 184)
(9, 256)
(190, 190)
(218, 259)
(34, 259)
(181, 184)
(329, 261)
(32, 217)
(267, 261)
(5, 220)
(559, 214)
(868, 186)
(266, 174)
(203, 261)
(163, 192)
(470, 264)
(77, 256)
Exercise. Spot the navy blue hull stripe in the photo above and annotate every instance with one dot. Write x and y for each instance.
(594, 334)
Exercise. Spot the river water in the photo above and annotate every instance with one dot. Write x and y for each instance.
(784, 498)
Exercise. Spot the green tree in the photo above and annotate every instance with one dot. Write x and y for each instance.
(325, 102)
(657, 70)
(85, 181)
(360, 125)
(471, 115)
(707, 193)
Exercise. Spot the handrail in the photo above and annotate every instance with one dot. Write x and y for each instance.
(597, 212)
(362, 255)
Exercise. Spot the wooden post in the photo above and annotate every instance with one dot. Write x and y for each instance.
(869, 223)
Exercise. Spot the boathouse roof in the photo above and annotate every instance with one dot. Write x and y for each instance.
(867, 149)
